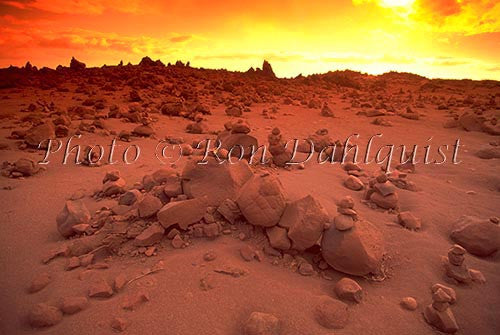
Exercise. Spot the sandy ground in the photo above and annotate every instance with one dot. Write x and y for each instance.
(177, 304)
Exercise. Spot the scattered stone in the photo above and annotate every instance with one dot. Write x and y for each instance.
(354, 183)
(74, 213)
(120, 282)
(262, 324)
(134, 300)
(39, 282)
(409, 303)
(43, 315)
(182, 213)
(348, 289)
(72, 305)
(120, 324)
(151, 235)
(100, 288)
(278, 238)
(229, 210)
(409, 221)
(331, 313)
(177, 242)
(149, 206)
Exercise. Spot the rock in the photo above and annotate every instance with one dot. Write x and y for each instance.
(385, 187)
(164, 176)
(182, 213)
(26, 166)
(217, 182)
(346, 202)
(143, 131)
(489, 152)
(113, 187)
(43, 315)
(199, 127)
(235, 143)
(343, 222)
(409, 303)
(120, 282)
(348, 289)
(390, 201)
(262, 324)
(357, 251)
(130, 197)
(134, 300)
(151, 235)
(40, 281)
(73, 263)
(74, 213)
(261, 201)
(120, 324)
(149, 206)
(470, 122)
(306, 269)
(177, 242)
(331, 313)
(100, 288)
(76, 64)
(443, 320)
(354, 183)
(480, 237)
(39, 135)
(448, 290)
(267, 70)
(229, 210)
(72, 305)
(477, 276)
(240, 127)
(247, 253)
(326, 111)
(409, 221)
(209, 256)
(305, 220)
(278, 238)
(234, 111)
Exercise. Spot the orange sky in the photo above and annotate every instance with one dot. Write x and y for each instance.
(435, 38)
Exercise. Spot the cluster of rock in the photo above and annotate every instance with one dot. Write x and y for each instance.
(382, 193)
(21, 168)
(439, 313)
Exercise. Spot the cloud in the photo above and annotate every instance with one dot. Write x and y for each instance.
(467, 17)
(181, 38)
(89, 7)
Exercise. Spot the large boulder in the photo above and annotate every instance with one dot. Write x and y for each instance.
(479, 237)
(261, 200)
(73, 213)
(357, 251)
(182, 213)
(305, 220)
(215, 181)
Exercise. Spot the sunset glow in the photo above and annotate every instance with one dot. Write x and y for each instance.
(434, 38)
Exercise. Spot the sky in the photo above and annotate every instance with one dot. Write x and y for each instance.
(435, 38)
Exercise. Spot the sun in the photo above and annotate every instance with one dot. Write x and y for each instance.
(396, 3)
